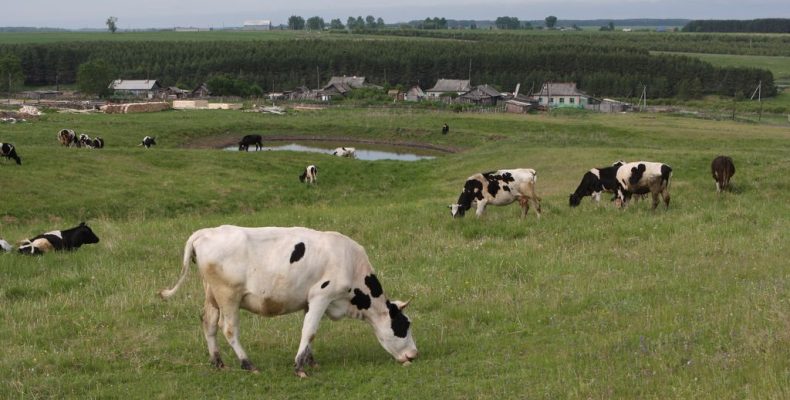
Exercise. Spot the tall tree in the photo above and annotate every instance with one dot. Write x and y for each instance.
(94, 77)
(112, 24)
(379, 22)
(551, 21)
(370, 22)
(315, 23)
(336, 24)
(10, 73)
(295, 23)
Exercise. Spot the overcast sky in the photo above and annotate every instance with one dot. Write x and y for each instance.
(219, 13)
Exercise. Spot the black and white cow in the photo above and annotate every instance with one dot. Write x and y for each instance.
(5, 246)
(445, 129)
(84, 141)
(67, 137)
(498, 188)
(596, 181)
(8, 151)
(310, 174)
(246, 141)
(69, 239)
(276, 271)
(97, 143)
(148, 141)
(345, 152)
(643, 177)
(722, 168)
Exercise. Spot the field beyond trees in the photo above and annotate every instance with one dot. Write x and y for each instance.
(590, 302)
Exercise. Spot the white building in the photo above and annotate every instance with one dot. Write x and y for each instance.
(257, 25)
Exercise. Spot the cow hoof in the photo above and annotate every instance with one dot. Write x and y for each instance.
(247, 365)
(301, 374)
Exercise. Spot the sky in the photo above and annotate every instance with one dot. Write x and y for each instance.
(138, 14)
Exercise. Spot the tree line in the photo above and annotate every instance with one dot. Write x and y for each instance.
(258, 66)
(316, 23)
(766, 25)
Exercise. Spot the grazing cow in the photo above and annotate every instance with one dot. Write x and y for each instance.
(310, 174)
(148, 141)
(97, 143)
(345, 152)
(84, 141)
(498, 188)
(596, 181)
(643, 177)
(722, 169)
(67, 137)
(445, 129)
(275, 271)
(245, 142)
(8, 151)
(5, 246)
(69, 239)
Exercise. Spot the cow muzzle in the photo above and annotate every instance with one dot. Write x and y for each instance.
(408, 357)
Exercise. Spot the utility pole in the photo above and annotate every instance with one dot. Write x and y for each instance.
(470, 71)
(759, 92)
(317, 79)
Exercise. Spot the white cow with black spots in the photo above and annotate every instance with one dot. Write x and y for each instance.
(349, 152)
(274, 271)
(642, 177)
(499, 188)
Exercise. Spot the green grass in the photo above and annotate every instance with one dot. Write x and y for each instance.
(779, 66)
(589, 302)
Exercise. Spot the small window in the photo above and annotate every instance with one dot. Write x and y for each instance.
(540, 99)
(573, 100)
(551, 99)
(562, 100)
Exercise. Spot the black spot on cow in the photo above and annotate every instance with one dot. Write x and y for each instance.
(400, 324)
(506, 188)
(636, 174)
(325, 284)
(472, 189)
(493, 187)
(375, 286)
(666, 172)
(508, 177)
(298, 252)
(361, 300)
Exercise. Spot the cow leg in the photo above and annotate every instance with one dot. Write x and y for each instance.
(229, 308)
(665, 195)
(210, 325)
(655, 199)
(481, 206)
(304, 356)
(537, 205)
(524, 203)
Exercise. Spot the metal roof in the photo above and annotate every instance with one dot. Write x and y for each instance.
(257, 22)
(451, 85)
(559, 89)
(353, 82)
(148, 84)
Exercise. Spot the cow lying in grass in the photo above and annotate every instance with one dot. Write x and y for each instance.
(8, 151)
(148, 141)
(69, 239)
(67, 137)
(310, 174)
(643, 177)
(498, 188)
(277, 271)
(722, 168)
(5, 246)
(349, 152)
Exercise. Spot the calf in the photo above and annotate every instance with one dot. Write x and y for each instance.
(345, 152)
(69, 239)
(276, 271)
(148, 141)
(310, 174)
(643, 177)
(245, 142)
(596, 181)
(97, 143)
(498, 188)
(722, 169)
(67, 137)
(8, 151)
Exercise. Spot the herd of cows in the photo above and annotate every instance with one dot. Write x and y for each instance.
(275, 271)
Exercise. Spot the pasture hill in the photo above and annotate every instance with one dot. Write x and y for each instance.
(587, 302)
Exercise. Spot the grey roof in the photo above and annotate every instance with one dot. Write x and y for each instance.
(451, 85)
(352, 82)
(559, 89)
(481, 92)
(147, 84)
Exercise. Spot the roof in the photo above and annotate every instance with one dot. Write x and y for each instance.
(257, 22)
(559, 89)
(147, 84)
(451, 85)
(351, 82)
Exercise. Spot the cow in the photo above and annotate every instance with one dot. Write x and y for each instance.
(596, 181)
(8, 151)
(274, 271)
(310, 174)
(498, 188)
(5, 246)
(445, 129)
(69, 239)
(97, 143)
(67, 137)
(722, 168)
(83, 140)
(345, 152)
(148, 141)
(246, 141)
(643, 177)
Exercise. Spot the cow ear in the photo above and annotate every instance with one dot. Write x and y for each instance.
(401, 305)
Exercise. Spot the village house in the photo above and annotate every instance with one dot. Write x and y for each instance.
(341, 85)
(201, 91)
(174, 92)
(448, 87)
(482, 95)
(148, 88)
(564, 94)
(414, 93)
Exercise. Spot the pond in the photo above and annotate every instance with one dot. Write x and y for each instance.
(361, 153)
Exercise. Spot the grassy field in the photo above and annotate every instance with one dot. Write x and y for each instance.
(590, 302)
(779, 66)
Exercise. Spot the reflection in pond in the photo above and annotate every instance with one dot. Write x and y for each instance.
(362, 154)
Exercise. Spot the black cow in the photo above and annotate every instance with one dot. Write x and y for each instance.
(596, 181)
(69, 239)
(8, 151)
(97, 143)
(722, 169)
(246, 141)
(148, 141)
(445, 129)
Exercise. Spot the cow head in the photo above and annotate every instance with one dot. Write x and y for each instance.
(590, 184)
(473, 190)
(85, 235)
(393, 330)
(456, 210)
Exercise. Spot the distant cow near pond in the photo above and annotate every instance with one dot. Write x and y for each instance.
(345, 152)
(498, 188)
(8, 151)
(310, 174)
(69, 239)
(246, 141)
(722, 168)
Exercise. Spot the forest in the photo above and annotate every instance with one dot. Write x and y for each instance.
(601, 64)
(767, 25)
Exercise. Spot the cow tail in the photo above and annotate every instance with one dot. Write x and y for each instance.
(189, 250)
